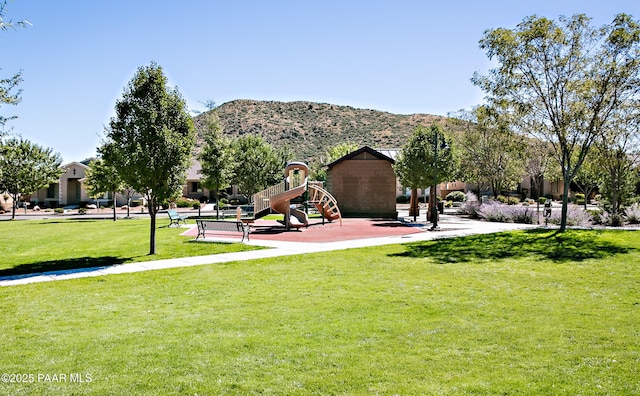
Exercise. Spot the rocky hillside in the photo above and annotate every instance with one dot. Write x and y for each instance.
(309, 128)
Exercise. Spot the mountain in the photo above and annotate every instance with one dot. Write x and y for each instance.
(310, 128)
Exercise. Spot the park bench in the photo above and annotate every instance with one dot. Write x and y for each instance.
(223, 226)
(176, 218)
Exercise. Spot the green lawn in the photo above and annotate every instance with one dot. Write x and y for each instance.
(512, 313)
(35, 246)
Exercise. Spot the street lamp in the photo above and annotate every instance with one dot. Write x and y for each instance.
(433, 199)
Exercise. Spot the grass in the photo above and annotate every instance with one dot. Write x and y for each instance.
(49, 245)
(511, 313)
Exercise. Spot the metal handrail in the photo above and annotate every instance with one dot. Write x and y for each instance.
(261, 199)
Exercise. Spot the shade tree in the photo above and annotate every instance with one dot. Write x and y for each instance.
(150, 140)
(422, 162)
(562, 81)
(26, 167)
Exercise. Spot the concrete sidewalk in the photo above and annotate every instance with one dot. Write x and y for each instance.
(451, 226)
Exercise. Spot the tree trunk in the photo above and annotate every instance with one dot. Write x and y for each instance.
(152, 234)
(565, 202)
(413, 204)
(217, 196)
(13, 206)
(114, 206)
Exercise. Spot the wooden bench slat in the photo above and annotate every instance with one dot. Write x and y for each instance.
(222, 225)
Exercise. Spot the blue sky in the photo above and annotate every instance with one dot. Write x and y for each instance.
(397, 56)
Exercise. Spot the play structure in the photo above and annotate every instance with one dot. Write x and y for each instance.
(294, 196)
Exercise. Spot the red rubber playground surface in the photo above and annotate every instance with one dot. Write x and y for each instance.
(321, 233)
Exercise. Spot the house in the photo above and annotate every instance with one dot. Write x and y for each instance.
(194, 189)
(364, 183)
(69, 190)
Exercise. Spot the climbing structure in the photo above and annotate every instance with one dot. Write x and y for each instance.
(278, 198)
(324, 202)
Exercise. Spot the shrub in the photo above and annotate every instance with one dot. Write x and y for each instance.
(502, 199)
(82, 211)
(470, 206)
(542, 200)
(493, 211)
(58, 210)
(513, 200)
(507, 213)
(579, 198)
(611, 219)
(183, 202)
(576, 217)
(456, 196)
(595, 216)
(402, 199)
(524, 215)
(196, 204)
(633, 214)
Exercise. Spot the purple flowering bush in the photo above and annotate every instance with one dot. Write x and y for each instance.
(470, 206)
(576, 216)
(498, 212)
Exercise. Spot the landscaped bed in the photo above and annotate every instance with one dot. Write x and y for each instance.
(521, 312)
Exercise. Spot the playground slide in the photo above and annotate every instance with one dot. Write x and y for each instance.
(281, 203)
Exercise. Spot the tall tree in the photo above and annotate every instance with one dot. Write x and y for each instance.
(258, 164)
(216, 157)
(618, 158)
(150, 140)
(26, 167)
(9, 94)
(490, 153)
(100, 179)
(417, 164)
(563, 81)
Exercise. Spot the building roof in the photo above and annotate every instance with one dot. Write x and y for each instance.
(389, 152)
(193, 173)
(365, 149)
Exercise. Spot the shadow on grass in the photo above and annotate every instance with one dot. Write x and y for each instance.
(542, 244)
(60, 265)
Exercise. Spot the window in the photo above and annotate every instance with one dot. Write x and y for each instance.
(195, 187)
(52, 190)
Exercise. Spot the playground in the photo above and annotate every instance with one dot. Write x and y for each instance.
(295, 198)
(316, 231)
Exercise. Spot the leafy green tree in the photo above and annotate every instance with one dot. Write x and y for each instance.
(100, 179)
(619, 178)
(491, 154)
(418, 163)
(562, 81)
(26, 167)
(150, 140)
(590, 174)
(216, 157)
(258, 165)
(618, 156)
(9, 94)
